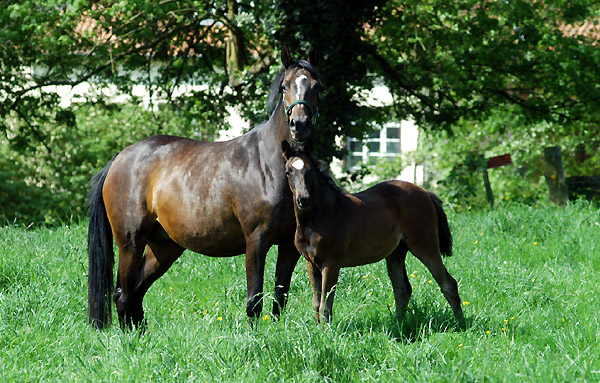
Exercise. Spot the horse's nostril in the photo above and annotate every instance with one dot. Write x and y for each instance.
(302, 202)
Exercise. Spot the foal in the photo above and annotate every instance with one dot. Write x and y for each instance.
(336, 229)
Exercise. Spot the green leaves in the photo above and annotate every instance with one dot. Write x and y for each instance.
(451, 65)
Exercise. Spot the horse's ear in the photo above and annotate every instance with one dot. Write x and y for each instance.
(286, 148)
(286, 58)
(313, 55)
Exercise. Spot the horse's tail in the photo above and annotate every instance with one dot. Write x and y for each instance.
(444, 235)
(101, 255)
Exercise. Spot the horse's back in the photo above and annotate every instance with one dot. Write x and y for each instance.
(415, 209)
(203, 195)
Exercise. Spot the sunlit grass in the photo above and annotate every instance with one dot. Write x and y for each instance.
(528, 279)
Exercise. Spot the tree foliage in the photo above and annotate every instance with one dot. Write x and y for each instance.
(447, 60)
(180, 66)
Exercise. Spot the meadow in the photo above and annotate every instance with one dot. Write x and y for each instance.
(528, 277)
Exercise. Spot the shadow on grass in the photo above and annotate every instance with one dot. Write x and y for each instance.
(419, 324)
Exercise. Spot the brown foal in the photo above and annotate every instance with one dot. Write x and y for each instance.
(337, 229)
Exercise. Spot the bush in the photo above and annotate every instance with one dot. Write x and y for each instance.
(49, 186)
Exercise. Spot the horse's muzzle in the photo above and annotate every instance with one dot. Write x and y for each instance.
(303, 203)
(300, 128)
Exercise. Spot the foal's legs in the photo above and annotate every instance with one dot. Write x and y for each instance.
(323, 283)
(287, 257)
(330, 277)
(432, 259)
(316, 282)
(396, 269)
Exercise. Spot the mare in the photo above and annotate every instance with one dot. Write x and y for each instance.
(336, 229)
(165, 194)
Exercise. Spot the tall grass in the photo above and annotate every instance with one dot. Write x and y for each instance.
(528, 278)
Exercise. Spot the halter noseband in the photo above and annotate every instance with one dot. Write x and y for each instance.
(288, 109)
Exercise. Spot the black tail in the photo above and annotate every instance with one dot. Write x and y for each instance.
(445, 237)
(101, 255)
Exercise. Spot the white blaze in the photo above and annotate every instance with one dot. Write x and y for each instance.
(298, 164)
(299, 85)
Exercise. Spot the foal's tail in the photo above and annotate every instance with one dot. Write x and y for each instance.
(445, 237)
(101, 255)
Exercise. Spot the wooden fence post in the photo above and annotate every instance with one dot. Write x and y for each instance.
(488, 188)
(555, 177)
(493, 162)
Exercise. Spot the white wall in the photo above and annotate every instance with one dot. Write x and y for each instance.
(379, 96)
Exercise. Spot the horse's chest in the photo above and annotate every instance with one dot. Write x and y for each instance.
(309, 244)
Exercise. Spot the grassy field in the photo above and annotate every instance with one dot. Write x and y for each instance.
(529, 279)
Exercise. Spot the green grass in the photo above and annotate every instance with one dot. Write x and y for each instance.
(530, 277)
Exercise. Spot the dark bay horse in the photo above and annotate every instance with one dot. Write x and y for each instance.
(165, 194)
(336, 229)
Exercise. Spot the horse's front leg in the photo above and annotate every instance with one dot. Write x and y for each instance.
(256, 254)
(330, 278)
(287, 258)
(316, 281)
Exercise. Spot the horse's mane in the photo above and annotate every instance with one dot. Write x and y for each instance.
(324, 171)
(274, 96)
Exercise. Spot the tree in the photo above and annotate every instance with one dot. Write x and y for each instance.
(449, 64)
(464, 59)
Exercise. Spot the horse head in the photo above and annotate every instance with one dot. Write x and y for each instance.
(299, 172)
(299, 89)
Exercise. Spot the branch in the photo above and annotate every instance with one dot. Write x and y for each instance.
(394, 74)
(103, 67)
(522, 103)
(34, 130)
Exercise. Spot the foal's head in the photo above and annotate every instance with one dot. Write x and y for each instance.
(299, 172)
(299, 89)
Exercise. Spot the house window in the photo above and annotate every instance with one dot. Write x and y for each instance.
(378, 144)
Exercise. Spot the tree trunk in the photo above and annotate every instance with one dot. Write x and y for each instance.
(234, 46)
(555, 177)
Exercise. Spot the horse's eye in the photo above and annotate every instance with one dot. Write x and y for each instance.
(287, 173)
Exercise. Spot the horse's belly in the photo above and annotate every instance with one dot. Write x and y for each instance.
(220, 249)
(364, 255)
(371, 244)
(208, 239)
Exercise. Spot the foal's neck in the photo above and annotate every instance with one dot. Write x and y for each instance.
(324, 202)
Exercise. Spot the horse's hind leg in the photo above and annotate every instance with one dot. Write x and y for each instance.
(396, 269)
(129, 304)
(432, 259)
(137, 273)
(160, 255)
